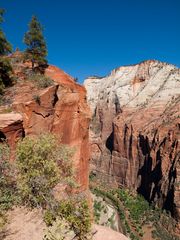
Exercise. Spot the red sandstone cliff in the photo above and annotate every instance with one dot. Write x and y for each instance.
(61, 109)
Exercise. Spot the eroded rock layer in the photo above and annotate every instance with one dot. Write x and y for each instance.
(135, 130)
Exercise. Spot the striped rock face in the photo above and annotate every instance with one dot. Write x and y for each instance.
(135, 130)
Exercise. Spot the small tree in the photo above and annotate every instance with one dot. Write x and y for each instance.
(5, 66)
(36, 50)
(6, 78)
(5, 46)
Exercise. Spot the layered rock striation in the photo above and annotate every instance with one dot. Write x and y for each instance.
(135, 130)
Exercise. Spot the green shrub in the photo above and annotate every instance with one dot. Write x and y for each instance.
(6, 78)
(49, 217)
(7, 184)
(76, 213)
(60, 230)
(40, 80)
(37, 99)
(72, 211)
(40, 163)
(97, 210)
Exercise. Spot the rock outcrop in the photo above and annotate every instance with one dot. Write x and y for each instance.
(60, 109)
(135, 130)
(105, 233)
(11, 129)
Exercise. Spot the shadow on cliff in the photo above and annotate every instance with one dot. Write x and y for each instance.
(110, 141)
(169, 202)
(150, 178)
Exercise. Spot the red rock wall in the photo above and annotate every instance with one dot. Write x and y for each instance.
(147, 159)
(61, 109)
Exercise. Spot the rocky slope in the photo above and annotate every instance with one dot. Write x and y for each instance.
(135, 130)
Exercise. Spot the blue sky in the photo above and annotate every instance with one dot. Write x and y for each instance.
(92, 37)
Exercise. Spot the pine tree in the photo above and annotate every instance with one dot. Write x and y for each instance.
(5, 46)
(5, 66)
(36, 50)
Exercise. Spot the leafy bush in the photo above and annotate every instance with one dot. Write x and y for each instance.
(74, 212)
(50, 216)
(78, 216)
(97, 211)
(6, 78)
(39, 165)
(60, 230)
(7, 184)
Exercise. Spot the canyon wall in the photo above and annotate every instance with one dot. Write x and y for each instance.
(134, 132)
(60, 109)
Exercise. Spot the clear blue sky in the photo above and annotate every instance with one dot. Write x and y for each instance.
(92, 37)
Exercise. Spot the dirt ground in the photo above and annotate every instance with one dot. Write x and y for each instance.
(24, 224)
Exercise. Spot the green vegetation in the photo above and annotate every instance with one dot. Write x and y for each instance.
(136, 205)
(5, 46)
(8, 198)
(78, 216)
(36, 53)
(40, 80)
(38, 165)
(36, 50)
(135, 212)
(6, 78)
(75, 212)
(60, 230)
(37, 99)
(162, 234)
(98, 208)
(41, 164)
(104, 213)
(115, 201)
(111, 220)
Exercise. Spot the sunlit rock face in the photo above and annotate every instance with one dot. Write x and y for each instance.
(60, 109)
(135, 130)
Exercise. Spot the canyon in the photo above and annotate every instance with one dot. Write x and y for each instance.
(134, 131)
(125, 126)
